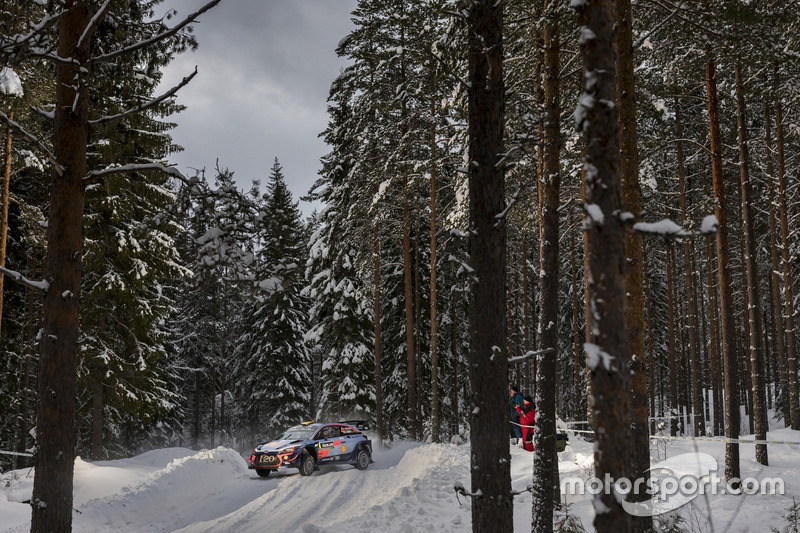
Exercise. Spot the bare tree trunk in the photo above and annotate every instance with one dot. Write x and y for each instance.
(492, 508)
(454, 348)
(726, 304)
(607, 351)
(713, 321)
(376, 295)
(587, 319)
(545, 460)
(580, 360)
(634, 281)
(409, 295)
(23, 422)
(651, 362)
(55, 453)
(434, 333)
(694, 350)
(788, 296)
(4, 197)
(671, 345)
(759, 414)
(775, 276)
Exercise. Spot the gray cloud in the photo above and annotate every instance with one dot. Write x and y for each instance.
(265, 68)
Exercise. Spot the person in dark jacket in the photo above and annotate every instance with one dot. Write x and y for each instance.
(527, 418)
(516, 402)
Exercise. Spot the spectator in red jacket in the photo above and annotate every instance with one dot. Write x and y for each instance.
(527, 418)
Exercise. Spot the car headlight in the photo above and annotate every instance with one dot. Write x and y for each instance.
(290, 449)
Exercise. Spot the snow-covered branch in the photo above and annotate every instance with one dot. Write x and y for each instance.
(156, 38)
(668, 228)
(124, 169)
(22, 280)
(530, 354)
(34, 141)
(146, 105)
(92, 26)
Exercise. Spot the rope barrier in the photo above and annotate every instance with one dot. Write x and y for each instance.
(16, 453)
(701, 439)
(705, 439)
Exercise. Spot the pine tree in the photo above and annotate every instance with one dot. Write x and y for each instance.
(272, 363)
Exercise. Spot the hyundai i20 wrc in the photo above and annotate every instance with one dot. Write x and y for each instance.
(311, 444)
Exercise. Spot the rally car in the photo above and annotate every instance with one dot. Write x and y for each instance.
(310, 444)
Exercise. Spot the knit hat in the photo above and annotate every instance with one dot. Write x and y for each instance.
(528, 399)
(514, 388)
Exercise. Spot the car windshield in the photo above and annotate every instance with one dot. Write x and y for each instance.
(301, 433)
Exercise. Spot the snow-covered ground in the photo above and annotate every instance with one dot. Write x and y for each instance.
(408, 489)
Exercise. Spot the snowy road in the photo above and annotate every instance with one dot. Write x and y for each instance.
(408, 489)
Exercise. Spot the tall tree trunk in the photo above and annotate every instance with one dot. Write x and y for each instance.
(586, 309)
(545, 460)
(713, 309)
(376, 295)
(788, 295)
(607, 350)
(651, 362)
(409, 297)
(55, 453)
(454, 348)
(526, 330)
(4, 197)
(492, 509)
(418, 328)
(23, 422)
(694, 349)
(759, 414)
(775, 276)
(671, 344)
(434, 332)
(576, 331)
(727, 324)
(634, 284)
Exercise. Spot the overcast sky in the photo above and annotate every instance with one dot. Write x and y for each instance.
(265, 68)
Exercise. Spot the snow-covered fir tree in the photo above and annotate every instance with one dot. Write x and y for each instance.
(272, 365)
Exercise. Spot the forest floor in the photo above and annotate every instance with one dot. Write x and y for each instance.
(409, 488)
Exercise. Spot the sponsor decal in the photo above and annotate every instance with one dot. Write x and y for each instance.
(344, 448)
(324, 445)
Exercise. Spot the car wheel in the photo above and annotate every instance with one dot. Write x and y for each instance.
(262, 472)
(307, 464)
(362, 459)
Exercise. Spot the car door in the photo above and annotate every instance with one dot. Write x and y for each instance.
(330, 446)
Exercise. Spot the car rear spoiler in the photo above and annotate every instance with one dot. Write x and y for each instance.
(361, 425)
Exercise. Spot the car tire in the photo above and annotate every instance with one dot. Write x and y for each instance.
(262, 472)
(362, 458)
(307, 464)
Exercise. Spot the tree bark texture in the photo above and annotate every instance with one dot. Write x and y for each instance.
(56, 411)
(634, 278)
(775, 276)
(492, 508)
(691, 301)
(376, 295)
(727, 326)
(5, 187)
(753, 300)
(788, 293)
(434, 304)
(607, 350)
(545, 459)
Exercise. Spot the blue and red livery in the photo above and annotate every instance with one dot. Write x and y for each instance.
(310, 444)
